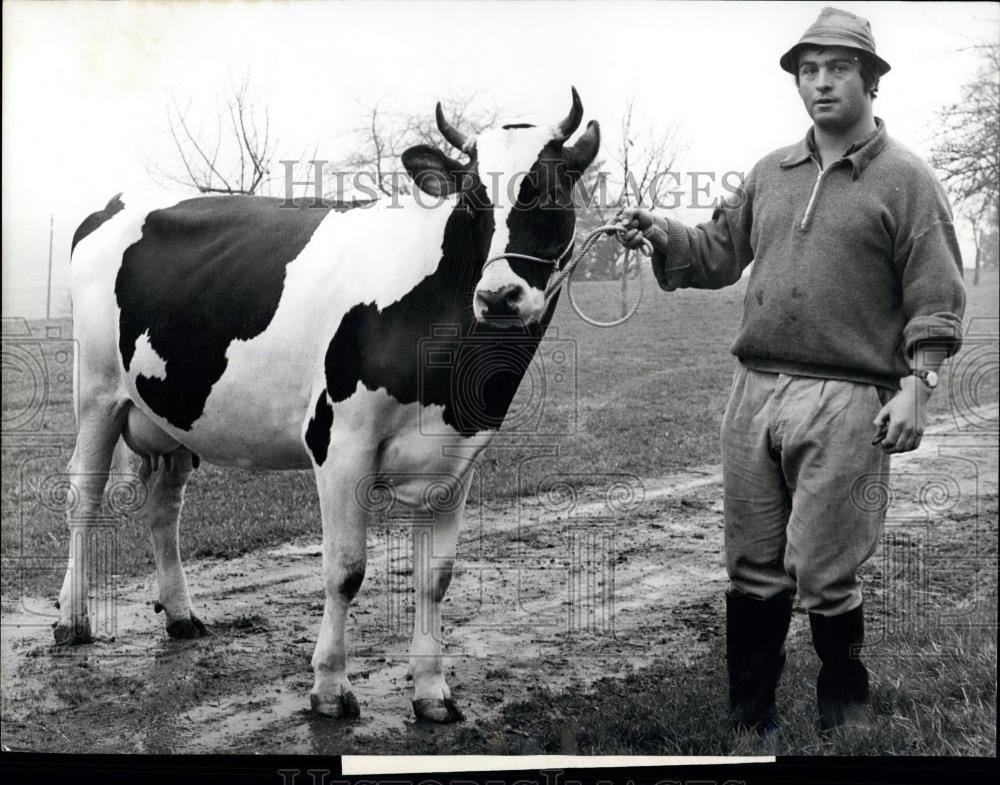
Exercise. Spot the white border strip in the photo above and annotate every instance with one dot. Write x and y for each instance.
(424, 764)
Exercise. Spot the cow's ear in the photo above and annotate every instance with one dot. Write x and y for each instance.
(433, 172)
(582, 154)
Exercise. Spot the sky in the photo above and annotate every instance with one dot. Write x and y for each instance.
(86, 85)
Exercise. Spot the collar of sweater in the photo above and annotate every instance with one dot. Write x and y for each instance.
(859, 154)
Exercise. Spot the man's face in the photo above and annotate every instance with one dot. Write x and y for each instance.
(831, 87)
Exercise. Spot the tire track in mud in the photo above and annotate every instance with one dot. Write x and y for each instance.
(555, 591)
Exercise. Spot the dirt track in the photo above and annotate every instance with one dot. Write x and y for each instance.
(569, 590)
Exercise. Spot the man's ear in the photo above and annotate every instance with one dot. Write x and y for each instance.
(433, 172)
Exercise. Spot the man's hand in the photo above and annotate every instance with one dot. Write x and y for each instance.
(639, 225)
(900, 422)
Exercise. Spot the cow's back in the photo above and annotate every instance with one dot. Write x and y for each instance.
(214, 314)
(207, 272)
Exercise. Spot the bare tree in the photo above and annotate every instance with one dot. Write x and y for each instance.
(980, 211)
(597, 205)
(643, 157)
(967, 150)
(383, 135)
(381, 141)
(990, 238)
(234, 155)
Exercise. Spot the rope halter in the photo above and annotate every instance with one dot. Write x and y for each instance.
(562, 275)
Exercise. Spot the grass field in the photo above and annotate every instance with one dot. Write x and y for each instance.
(645, 398)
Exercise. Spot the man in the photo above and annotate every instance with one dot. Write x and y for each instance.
(854, 301)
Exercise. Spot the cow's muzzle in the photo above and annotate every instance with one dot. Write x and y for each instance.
(513, 300)
(502, 303)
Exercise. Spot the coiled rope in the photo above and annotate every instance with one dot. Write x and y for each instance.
(646, 249)
(562, 276)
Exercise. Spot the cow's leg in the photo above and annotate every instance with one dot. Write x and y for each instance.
(100, 424)
(166, 498)
(433, 560)
(345, 524)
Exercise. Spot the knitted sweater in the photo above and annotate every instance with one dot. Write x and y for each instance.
(855, 264)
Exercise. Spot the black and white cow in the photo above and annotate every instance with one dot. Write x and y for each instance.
(254, 335)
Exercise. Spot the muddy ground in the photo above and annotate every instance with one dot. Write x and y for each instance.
(555, 592)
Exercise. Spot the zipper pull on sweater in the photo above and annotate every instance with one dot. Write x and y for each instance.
(812, 198)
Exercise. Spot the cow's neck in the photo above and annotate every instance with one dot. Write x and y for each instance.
(427, 347)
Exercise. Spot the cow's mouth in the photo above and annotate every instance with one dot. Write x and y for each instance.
(507, 322)
(510, 307)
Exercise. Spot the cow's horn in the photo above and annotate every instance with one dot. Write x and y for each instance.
(572, 121)
(455, 137)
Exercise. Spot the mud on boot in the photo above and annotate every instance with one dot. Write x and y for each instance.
(755, 657)
(842, 687)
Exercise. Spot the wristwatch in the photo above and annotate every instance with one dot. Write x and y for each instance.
(930, 378)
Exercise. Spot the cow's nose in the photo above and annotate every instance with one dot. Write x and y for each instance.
(501, 302)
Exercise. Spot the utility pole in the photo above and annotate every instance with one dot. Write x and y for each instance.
(48, 288)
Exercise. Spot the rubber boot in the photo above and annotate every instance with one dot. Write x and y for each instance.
(842, 687)
(755, 656)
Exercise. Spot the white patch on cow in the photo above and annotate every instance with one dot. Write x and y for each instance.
(505, 157)
(366, 255)
(512, 153)
(421, 457)
(146, 361)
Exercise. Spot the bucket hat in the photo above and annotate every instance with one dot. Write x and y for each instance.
(834, 27)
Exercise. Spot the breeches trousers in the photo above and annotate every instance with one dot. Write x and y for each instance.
(804, 489)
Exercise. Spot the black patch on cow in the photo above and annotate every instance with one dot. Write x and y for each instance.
(206, 272)
(351, 585)
(94, 221)
(318, 430)
(543, 219)
(428, 347)
(513, 126)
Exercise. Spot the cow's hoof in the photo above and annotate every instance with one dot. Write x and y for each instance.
(184, 629)
(72, 635)
(342, 707)
(437, 710)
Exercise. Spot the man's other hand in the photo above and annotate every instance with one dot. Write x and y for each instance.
(902, 419)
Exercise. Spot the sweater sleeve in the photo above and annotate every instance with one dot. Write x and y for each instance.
(712, 254)
(930, 266)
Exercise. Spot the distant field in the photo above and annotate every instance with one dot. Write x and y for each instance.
(647, 399)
